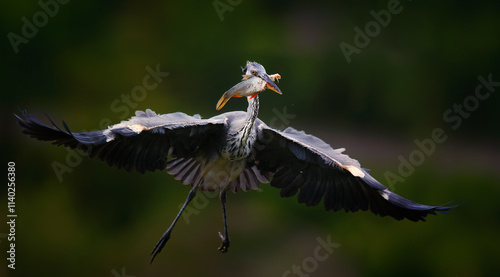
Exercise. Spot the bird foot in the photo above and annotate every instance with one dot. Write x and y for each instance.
(225, 243)
(159, 245)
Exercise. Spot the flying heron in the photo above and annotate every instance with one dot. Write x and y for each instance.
(232, 151)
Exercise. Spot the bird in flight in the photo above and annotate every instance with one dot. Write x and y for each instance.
(235, 151)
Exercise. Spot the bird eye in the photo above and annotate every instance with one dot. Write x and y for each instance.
(253, 72)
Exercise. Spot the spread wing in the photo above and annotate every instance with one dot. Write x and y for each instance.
(305, 165)
(143, 142)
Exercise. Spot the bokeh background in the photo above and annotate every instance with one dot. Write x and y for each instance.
(87, 57)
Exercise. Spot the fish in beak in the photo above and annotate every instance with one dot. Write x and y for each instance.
(232, 92)
(251, 85)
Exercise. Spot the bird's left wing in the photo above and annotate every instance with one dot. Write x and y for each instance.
(304, 164)
(143, 142)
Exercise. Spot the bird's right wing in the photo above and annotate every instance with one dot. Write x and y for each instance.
(305, 165)
(143, 142)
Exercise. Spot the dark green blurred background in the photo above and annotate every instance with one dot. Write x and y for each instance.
(101, 221)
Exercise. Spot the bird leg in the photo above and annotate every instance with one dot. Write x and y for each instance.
(225, 239)
(166, 236)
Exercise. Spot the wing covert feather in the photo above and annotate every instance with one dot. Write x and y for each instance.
(305, 165)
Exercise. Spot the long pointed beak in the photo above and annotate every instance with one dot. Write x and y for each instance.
(270, 84)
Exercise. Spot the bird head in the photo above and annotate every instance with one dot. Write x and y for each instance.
(255, 80)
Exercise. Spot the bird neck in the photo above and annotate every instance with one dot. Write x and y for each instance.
(240, 142)
(252, 112)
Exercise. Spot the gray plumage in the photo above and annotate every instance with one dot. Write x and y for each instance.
(293, 160)
(234, 151)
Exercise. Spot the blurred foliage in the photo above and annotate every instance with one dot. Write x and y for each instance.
(99, 220)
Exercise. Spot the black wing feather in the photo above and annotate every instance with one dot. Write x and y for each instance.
(305, 165)
(142, 143)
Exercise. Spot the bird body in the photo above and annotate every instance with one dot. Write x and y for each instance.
(234, 151)
(226, 167)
